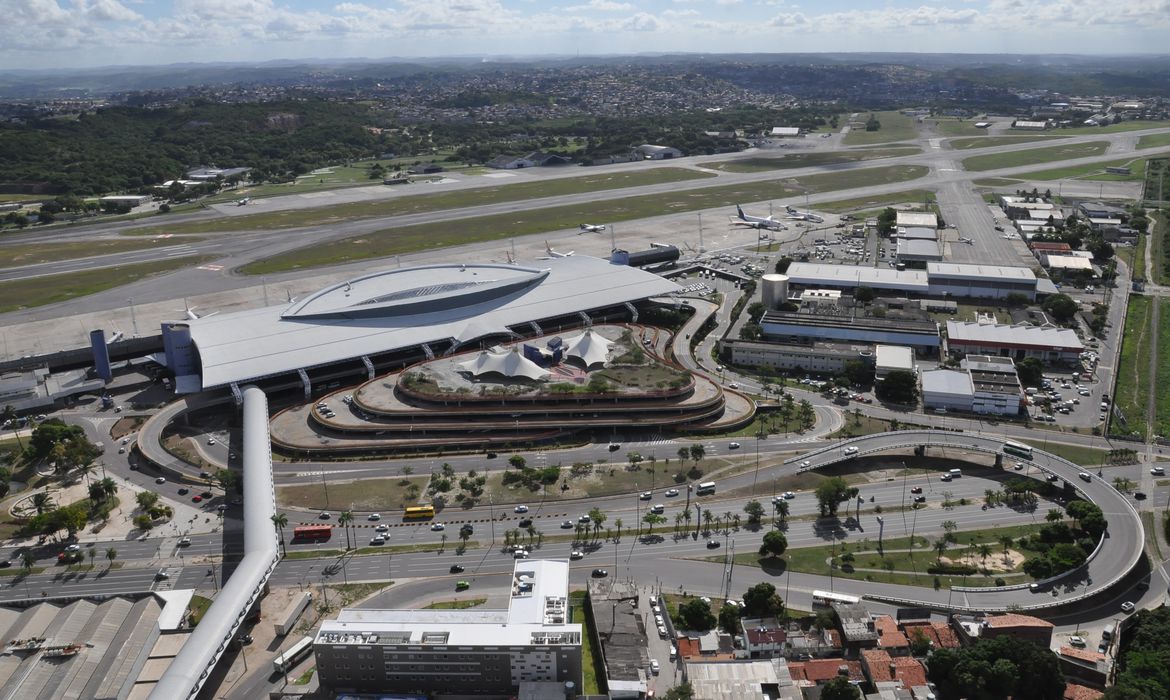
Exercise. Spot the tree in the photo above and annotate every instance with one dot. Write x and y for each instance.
(806, 413)
(830, 493)
(695, 614)
(780, 508)
(345, 520)
(226, 479)
(598, 519)
(919, 642)
(839, 688)
(92, 554)
(680, 692)
(755, 511)
(111, 555)
(729, 618)
(42, 502)
(976, 672)
(864, 295)
(774, 545)
(517, 461)
(697, 452)
(618, 525)
(279, 520)
(27, 561)
(1061, 307)
(652, 519)
(899, 386)
(762, 600)
(146, 499)
(1031, 371)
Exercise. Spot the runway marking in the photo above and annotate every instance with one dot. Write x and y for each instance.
(210, 268)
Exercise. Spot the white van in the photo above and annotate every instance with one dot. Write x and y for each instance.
(955, 473)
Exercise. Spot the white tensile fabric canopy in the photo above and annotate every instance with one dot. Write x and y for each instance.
(589, 347)
(509, 364)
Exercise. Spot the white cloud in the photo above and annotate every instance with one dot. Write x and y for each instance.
(681, 13)
(601, 6)
(640, 22)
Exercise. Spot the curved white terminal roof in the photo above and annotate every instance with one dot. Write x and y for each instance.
(407, 307)
(509, 364)
(589, 347)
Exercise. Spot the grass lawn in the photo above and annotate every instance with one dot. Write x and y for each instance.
(35, 253)
(405, 239)
(804, 160)
(1133, 384)
(1135, 125)
(1137, 256)
(592, 666)
(1084, 456)
(1159, 251)
(339, 538)
(197, 608)
(990, 141)
(995, 182)
(1153, 140)
(437, 201)
(895, 127)
(350, 593)
(1092, 172)
(957, 127)
(1032, 156)
(50, 289)
(365, 495)
(456, 604)
(1162, 398)
(881, 201)
(899, 565)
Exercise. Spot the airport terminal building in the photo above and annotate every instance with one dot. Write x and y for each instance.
(400, 316)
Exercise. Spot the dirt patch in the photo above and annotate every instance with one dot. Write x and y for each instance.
(126, 426)
(997, 562)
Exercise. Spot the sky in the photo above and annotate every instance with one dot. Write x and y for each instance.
(92, 33)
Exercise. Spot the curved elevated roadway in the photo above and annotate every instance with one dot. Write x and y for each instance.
(1117, 553)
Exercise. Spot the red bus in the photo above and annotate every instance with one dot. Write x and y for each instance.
(312, 532)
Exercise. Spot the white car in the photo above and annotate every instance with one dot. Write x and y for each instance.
(851, 450)
(437, 527)
(73, 548)
(520, 509)
(374, 517)
(1127, 607)
(654, 668)
(576, 554)
(733, 445)
(789, 494)
(210, 441)
(1158, 471)
(1019, 466)
(378, 539)
(161, 480)
(670, 493)
(520, 554)
(382, 528)
(646, 496)
(805, 464)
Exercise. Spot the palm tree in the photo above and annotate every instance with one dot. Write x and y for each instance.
(727, 519)
(940, 546)
(707, 518)
(443, 541)
(27, 560)
(781, 508)
(1005, 541)
(92, 554)
(109, 487)
(683, 454)
(42, 502)
(852, 494)
(989, 497)
(85, 468)
(344, 520)
(111, 555)
(279, 520)
(687, 517)
(984, 552)
(677, 520)
(618, 524)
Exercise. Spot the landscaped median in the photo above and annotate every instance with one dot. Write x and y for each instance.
(1012, 159)
(979, 558)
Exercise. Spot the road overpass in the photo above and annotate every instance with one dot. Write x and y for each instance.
(1116, 554)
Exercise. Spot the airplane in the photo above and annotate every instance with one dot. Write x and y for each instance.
(511, 260)
(756, 222)
(803, 216)
(189, 311)
(242, 202)
(591, 228)
(554, 254)
(968, 241)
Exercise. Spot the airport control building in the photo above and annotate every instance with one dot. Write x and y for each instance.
(394, 317)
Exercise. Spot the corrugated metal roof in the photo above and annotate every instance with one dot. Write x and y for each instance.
(439, 302)
(1013, 336)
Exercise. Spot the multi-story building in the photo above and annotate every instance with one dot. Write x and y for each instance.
(463, 652)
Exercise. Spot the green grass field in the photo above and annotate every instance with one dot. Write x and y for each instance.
(995, 182)
(592, 666)
(405, 239)
(1159, 262)
(1095, 171)
(1136, 125)
(877, 202)
(424, 203)
(990, 141)
(366, 495)
(36, 253)
(1153, 140)
(1162, 398)
(1084, 456)
(957, 127)
(40, 291)
(1133, 383)
(805, 160)
(895, 127)
(1032, 156)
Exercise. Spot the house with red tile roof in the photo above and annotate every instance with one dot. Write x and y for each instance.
(888, 671)
(1084, 665)
(939, 634)
(1075, 691)
(1022, 627)
(890, 637)
(763, 638)
(819, 671)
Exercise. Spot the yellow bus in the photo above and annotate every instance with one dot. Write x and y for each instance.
(418, 512)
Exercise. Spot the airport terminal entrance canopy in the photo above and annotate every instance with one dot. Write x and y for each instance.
(403, 308)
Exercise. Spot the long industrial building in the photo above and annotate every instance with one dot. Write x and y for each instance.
(1045, 343)
(458, 652)
(387, 316)
(940, 279)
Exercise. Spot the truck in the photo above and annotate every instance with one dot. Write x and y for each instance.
(287, 619)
